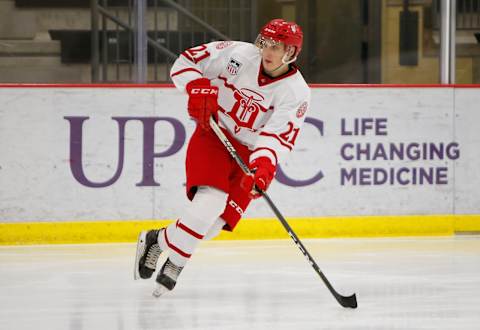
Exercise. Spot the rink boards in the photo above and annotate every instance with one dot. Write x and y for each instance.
(98, 163)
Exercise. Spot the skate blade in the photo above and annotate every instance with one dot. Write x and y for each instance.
(140, 249)
(159, 290)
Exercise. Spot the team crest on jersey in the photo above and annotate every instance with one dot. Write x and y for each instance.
(302, 109)
(247, 108)
(233, 66)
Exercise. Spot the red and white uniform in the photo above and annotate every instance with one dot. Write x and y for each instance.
(265, 114)
(260, 115)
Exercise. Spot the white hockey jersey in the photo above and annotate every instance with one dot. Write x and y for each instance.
(261, 112)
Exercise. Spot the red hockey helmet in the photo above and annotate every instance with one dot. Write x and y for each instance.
(282, 31)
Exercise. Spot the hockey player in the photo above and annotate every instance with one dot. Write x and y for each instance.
(260, 99)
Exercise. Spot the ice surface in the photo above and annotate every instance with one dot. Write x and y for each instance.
(403, 283)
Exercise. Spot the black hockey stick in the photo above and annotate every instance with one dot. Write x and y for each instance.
(345, 301)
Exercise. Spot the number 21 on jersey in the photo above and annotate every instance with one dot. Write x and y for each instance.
(290, 135)
(196, 54)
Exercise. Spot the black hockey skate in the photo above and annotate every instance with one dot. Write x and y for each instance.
(166, 278)
(148, 252)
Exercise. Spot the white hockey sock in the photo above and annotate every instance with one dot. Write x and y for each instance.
(183, 236)
(215, 229)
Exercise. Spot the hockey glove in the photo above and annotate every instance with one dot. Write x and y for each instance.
(202, 101)
(263, 173)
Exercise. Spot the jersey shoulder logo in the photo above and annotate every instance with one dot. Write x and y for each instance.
(302, 109)
(233, 66)
(223, 44)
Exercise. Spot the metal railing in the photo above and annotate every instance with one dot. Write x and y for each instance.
(169, 27)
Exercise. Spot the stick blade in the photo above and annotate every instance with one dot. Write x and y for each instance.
(347, 301)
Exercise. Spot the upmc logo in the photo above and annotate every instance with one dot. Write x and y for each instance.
(149, 154)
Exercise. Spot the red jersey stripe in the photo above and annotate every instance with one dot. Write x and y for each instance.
(189, 231)
(185, 70)
(269, 149)
(174, 248)
(278, 138)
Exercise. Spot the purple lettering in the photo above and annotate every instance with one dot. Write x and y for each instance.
(379, 152)
(381, 126)
(343, 129)
(399, 176)
(380, 176)
(366, 125)
(362, 126)
(453, 151)
(365, 178)
(149, 154)
(363, 151)
(346, 176)
(442, 177)
(76, 163)
(344, 153)
(76, 148)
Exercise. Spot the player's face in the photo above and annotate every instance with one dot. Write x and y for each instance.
(272, 54)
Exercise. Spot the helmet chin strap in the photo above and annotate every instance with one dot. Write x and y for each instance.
(285, 61)
(278, 67)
